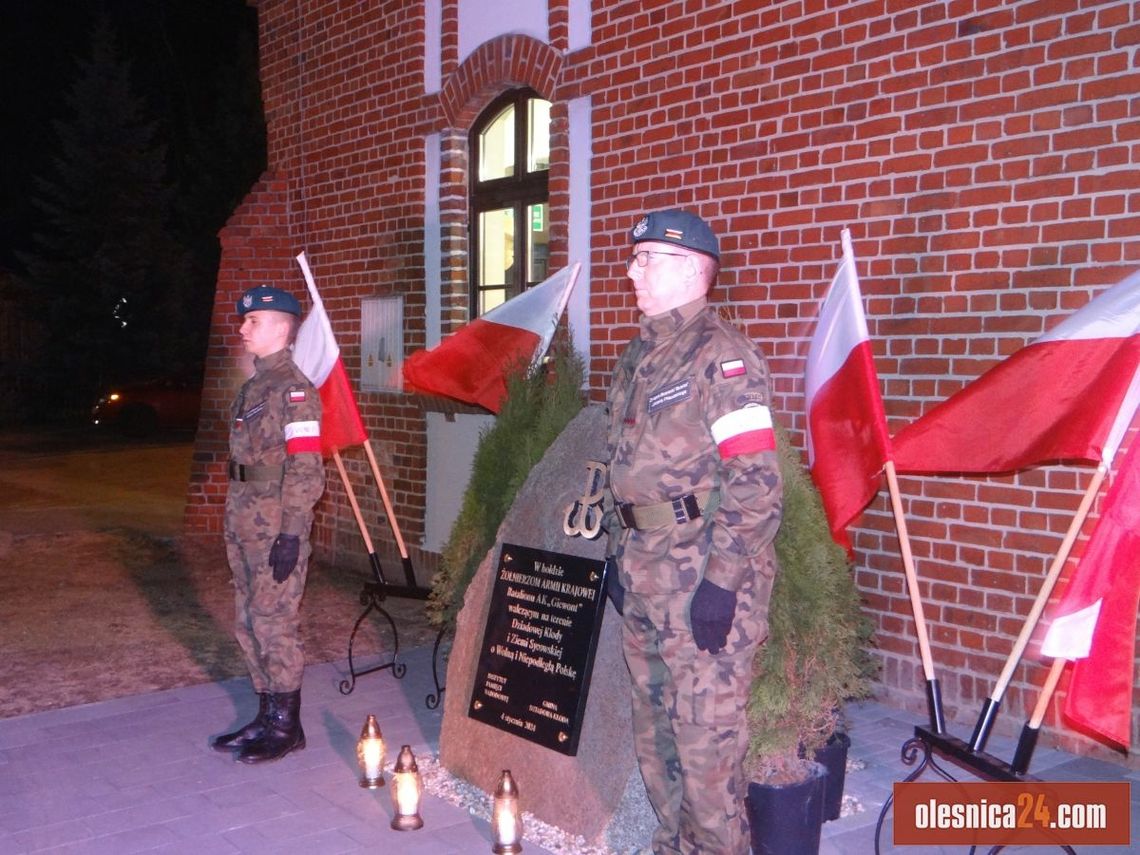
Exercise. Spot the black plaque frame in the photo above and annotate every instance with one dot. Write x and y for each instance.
(538, 646)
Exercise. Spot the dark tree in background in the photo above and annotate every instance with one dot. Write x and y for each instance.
(105, 270)
(147, 134)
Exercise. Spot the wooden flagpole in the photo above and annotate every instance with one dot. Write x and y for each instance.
(990, 707)
(1047, 693)
(409, 571)
(933, 691)
(372, 556)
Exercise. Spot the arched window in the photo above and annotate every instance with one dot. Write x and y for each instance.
(510, 222)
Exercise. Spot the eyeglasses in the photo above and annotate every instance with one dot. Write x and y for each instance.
(642, 257)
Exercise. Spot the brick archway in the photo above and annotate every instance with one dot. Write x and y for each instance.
(496, 65)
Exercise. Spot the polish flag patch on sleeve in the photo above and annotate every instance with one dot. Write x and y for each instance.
(744, 431)
(302, 436)
(296, 396)
(732, 368)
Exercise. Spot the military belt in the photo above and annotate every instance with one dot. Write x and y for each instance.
(674, 512)
(245, 472)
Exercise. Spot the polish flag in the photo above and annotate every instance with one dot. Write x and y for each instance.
(318, 356)
(1095, 621)
(472, 364)
(1055, 399)
(847, 438)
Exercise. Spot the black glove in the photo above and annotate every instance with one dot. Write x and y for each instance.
(615, 591)
(283, 556)
(711, 616)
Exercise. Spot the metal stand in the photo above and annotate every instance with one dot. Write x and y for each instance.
(432, 700)
(979, 763)
(372, 597)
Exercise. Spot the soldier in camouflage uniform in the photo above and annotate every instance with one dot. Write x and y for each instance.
(276, 476)
(697, 488)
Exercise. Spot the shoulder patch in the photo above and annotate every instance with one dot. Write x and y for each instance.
(297, 396)
(732, 368)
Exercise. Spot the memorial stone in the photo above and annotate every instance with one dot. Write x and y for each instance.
(580, 793)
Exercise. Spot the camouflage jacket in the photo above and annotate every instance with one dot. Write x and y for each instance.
(276, 422)
(689, 412)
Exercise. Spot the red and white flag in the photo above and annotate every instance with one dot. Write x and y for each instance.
(472, 364)
(847, 435)
(318, 356)
(1095, 620)
(1055, 399)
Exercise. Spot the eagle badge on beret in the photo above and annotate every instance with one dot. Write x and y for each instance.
(641, 228)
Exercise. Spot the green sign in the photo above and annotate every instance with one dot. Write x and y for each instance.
(536, 218)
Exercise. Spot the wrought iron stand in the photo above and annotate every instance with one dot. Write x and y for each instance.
(432, 701)
(372, 597)
(978, 763)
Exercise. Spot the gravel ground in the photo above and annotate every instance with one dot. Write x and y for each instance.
(440, 783)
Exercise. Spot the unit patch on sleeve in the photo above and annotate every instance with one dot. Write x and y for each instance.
(732, 368)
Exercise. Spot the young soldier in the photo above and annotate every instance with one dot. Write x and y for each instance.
(697, 488)
(276, 476)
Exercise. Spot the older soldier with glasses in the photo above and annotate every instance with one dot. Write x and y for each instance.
(697, 492)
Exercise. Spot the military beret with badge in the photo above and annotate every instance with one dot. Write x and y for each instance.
(267, 298)
(682, 228)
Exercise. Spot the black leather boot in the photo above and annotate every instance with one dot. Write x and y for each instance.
(283, 731)
(245, 735)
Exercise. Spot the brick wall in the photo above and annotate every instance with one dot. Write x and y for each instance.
(983, 154)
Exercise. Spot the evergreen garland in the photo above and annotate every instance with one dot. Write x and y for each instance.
(536, 410)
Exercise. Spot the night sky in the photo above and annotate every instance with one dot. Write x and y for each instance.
(182, 52)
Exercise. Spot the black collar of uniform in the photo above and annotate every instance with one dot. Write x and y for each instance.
(666, 324)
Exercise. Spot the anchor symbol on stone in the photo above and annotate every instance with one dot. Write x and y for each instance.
(584, 514)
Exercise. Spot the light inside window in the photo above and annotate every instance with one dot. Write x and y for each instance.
(538, 135)
(497, 258)
(497, 147)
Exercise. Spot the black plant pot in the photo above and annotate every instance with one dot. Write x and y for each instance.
(785, 820)
(833, 757)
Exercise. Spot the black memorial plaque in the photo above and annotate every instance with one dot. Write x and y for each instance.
(538, 646)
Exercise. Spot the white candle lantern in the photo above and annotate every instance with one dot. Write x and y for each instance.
(506, 818)
(407, 790)
(370, 753)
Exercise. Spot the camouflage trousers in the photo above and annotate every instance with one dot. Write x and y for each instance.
(689, 726)
(267, 621)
